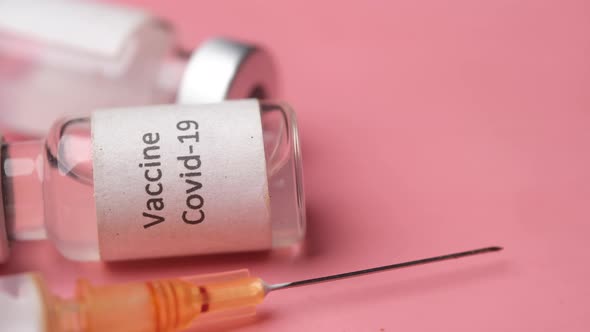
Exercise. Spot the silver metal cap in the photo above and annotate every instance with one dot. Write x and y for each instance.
(226, 69)
(3, 232)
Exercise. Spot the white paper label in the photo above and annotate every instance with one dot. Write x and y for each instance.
(180, 180)
(81, 25)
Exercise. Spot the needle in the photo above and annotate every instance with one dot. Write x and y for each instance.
(305, 282)
(174, 304)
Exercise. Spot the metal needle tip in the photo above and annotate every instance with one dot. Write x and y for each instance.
(270, 288)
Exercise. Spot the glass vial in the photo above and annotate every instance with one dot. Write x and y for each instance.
(160, 181)
(58, 57)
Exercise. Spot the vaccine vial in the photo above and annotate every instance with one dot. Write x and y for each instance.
(71, 57)
(159, 181)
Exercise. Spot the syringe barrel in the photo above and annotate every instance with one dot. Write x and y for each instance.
(151, 306)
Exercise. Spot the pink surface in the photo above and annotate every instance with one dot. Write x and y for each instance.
(427, 127)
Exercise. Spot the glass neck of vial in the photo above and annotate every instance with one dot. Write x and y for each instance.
(171, 74)
(22, 179)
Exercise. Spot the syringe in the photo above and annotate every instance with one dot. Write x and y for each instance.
(160, 305)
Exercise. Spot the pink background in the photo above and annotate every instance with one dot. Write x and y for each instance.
(427, 127)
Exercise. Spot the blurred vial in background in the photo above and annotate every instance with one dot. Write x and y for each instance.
(167, 179)
(66, 57)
